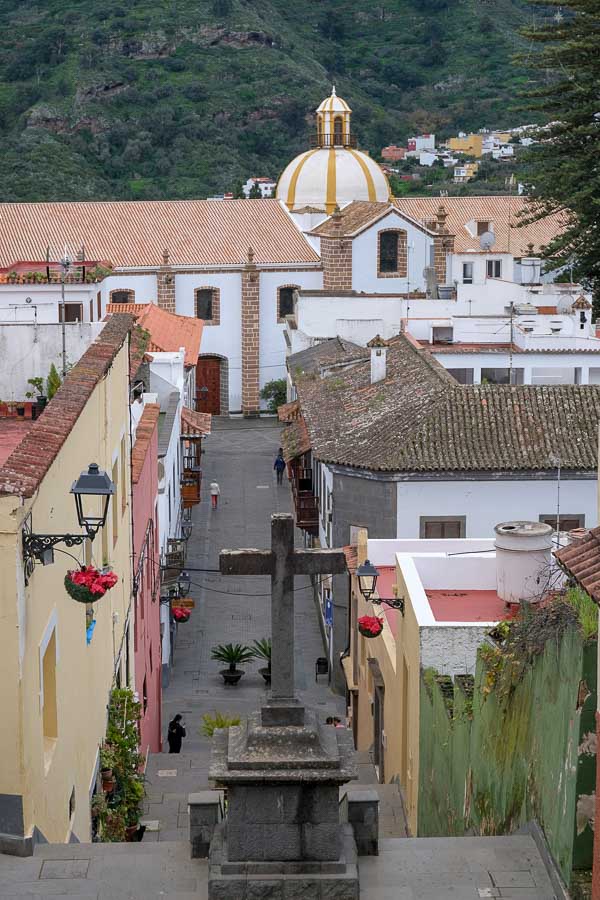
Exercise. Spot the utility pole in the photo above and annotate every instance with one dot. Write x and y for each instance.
(65, 265)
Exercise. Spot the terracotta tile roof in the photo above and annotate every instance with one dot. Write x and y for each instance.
(195, 424)
(352, 218)
(295, 439)
(27, 465)
(168, 331)
(502, 211)
(418, 419)
(325, 353)
(135, 233)
(143, 437)
(581, 560)
(287, 412)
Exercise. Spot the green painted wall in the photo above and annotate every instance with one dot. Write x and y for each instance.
(492, 762)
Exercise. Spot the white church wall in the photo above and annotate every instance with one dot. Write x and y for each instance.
(485, 503)
(143, 286)
(224, 339)
(364, 258)
(272, 345)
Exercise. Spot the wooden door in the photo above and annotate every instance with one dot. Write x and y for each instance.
(208, 385)
(378, 729)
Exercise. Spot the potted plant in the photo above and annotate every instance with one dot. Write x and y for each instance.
(233, 655)
(88, 584)
(12, 277)
(262, 650)
(108, 763)
(113, 830)
(40, 398)
(98, 807)
(181, 614)
(20, 409)
(370, 626)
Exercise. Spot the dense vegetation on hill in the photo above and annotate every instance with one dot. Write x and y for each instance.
(181, 98)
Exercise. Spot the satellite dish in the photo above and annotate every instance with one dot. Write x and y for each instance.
(487, 240)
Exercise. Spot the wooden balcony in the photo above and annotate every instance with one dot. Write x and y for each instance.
(191, 484)
(306, 504)
(333, 140)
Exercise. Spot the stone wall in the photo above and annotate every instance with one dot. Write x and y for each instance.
(491, 761)
(336, 259)
(250, 340)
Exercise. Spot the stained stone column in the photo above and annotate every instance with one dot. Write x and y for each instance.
(250, 337)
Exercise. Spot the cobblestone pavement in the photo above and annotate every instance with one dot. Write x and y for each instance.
(239, 455)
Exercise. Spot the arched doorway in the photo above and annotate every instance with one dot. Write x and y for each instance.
(212, 385)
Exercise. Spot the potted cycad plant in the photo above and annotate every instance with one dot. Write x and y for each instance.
(233, 655)
(262, 650)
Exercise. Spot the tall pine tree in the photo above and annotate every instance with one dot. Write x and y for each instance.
(563, 174)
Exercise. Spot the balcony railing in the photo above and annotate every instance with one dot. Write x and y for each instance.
(306, 504)
(191, 483)
(333, 140)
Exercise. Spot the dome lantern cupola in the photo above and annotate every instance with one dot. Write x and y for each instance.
(333, 172)
(333, 123)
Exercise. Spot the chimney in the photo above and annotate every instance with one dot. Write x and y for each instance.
(378, 349)
(523, 560)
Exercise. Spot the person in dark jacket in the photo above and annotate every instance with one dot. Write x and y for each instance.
(279, 466)
(175, 734)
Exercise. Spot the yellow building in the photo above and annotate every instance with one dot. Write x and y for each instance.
(54, 684)
(450, 602)
(471, 144)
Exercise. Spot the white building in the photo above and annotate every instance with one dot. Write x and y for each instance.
(266, 186)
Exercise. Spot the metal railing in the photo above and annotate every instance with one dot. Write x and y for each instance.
(333, 140)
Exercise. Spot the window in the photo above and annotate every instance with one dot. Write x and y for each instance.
(49, 709)
(467, 273)
(495, 376)
(494, 268)
(91, 310)
(115, 518)
(391, 253)
(285, 301)
(482, 227)
(445, 527)
(99, 305)
(73, 312)
(122, 296)
(566, 521)
(206, 300)
(338, 130)
(463, 376)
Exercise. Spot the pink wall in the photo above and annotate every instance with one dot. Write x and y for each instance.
(147, 641)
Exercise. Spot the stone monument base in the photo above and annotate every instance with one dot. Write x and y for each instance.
(297, 880)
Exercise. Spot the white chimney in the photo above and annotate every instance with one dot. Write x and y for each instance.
(523, 560)
(378, 349)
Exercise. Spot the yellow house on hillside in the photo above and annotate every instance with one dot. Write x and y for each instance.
(55, 671)
(471, 144)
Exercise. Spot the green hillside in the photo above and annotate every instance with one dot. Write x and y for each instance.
(175, 98)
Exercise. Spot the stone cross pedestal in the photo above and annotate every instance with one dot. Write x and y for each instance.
(282, 769)
(282, 562)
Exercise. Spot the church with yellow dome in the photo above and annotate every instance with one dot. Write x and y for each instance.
(334, 172)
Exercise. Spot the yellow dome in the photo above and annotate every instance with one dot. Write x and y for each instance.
(334, 104)
(331, 176)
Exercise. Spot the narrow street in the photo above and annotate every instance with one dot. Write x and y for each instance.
(239, 456)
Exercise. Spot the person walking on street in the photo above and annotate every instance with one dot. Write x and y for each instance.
(215, 490)
(175, 734)
(279, 466)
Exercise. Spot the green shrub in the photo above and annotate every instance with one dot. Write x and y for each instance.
(219, 720)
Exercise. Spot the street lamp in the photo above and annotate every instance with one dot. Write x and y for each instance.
(180, 588)
(94, 484)
(367, 576)
(90, 486)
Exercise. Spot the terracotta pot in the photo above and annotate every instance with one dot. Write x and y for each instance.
(130, 832)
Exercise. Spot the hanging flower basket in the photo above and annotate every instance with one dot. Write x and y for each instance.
(181, 614)
(88, 584)
(370, 626)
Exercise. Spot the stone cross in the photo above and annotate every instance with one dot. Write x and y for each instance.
(282, 562)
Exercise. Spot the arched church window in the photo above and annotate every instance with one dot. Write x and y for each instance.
(122, 296)
(338, 130)
(285, 301)
(392, 253)
(207, 305)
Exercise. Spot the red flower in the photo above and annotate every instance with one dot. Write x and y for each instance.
(96, 582)
(181, 614)
(371, 624)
